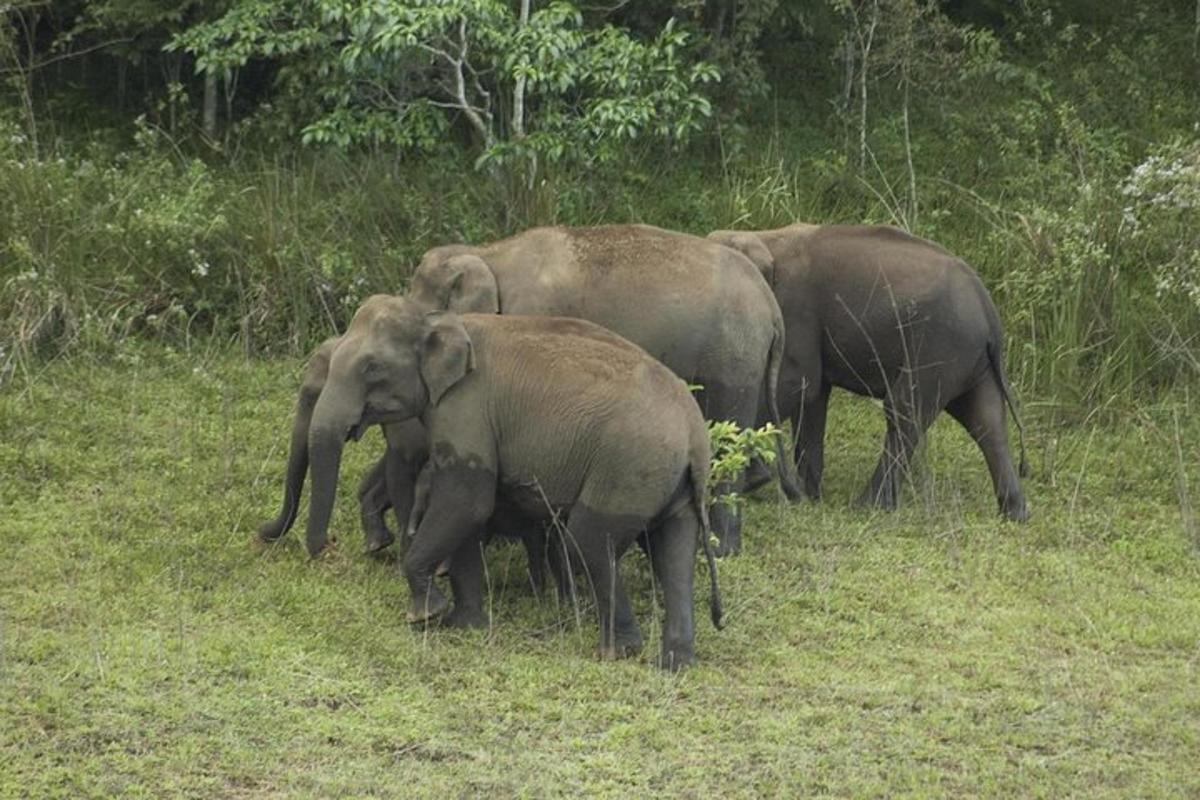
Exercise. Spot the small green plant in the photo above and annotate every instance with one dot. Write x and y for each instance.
(733, 448)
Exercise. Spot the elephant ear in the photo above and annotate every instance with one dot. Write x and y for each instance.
(317, 371)
(472, 286)
(447, 354)
(752, 247)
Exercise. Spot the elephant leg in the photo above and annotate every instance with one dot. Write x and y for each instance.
(558, 558)
(909, 412)
(739, 404)
(599, 543)
(673, 554)
(981, 411)
(534, 540)
(466, 582)
(373, 501)
(460, 502)
(808, 425)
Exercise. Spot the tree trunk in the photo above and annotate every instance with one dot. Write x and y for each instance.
(864, 59)
(210, 106)
(911, 222)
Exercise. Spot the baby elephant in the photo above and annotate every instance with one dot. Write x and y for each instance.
(550, 416)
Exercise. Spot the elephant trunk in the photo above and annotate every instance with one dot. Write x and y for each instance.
(297, 468)
(335, 415)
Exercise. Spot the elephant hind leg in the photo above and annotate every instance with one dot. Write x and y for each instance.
(673, 554)
(599, 541)
(808, 424)
(981, 411)
(739, 404)
(909, 411)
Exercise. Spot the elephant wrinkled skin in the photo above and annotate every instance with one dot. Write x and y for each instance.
(394, 483)
(701, 309)
(547, 415)
(885, 314)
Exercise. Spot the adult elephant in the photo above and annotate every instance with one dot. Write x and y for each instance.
(882, 313)
(701, 309)
(398, 481)
(552, 415)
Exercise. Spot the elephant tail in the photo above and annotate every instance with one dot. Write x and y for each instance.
(787, 476)
(993, 353)
(698, 466)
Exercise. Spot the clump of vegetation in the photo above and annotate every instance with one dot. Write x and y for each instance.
(734, 448)
(253, 171)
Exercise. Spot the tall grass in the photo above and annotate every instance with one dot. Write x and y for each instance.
(1089, 254)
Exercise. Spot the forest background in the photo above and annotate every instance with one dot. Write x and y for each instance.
(254, 169)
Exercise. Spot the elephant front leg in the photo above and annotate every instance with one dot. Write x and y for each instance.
(460, 502)
(466, 582)
(726, 522)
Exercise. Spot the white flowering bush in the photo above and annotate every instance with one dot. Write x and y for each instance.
(1161, 211)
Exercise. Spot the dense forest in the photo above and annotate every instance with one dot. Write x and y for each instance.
(251, 168)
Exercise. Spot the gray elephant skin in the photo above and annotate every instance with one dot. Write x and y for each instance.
(388, 484)
(398, 481)
(554, 416)
(702, 310)
(882, 313)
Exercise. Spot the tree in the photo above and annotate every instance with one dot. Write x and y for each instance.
(531, 85)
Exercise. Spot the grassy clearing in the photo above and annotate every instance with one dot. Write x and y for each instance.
(146, 649)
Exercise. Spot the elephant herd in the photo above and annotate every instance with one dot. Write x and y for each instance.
(540, 387)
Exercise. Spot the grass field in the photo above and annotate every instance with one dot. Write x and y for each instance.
(148, 650)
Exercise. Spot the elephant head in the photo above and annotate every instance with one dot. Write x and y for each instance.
(394, 361)
(752, 247)
(453, 280)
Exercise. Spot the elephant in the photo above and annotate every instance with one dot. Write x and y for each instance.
(699, 308)
(883, 313)
(542, 548)
(549, 415)
(390, 482)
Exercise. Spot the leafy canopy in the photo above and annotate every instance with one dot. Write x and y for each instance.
(533, 84)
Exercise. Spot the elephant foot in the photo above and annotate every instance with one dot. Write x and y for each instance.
(876, 498)
(462, 617)
(1015, 511)
(626, 646)
(379, 540)
(677, 657)
(429, 606)
(270, 531)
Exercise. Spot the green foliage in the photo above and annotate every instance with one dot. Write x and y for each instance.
(733, 448)
(1052, 149)
(545, 89)
(96, 246)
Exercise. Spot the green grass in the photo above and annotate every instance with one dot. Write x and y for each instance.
(147, 649)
